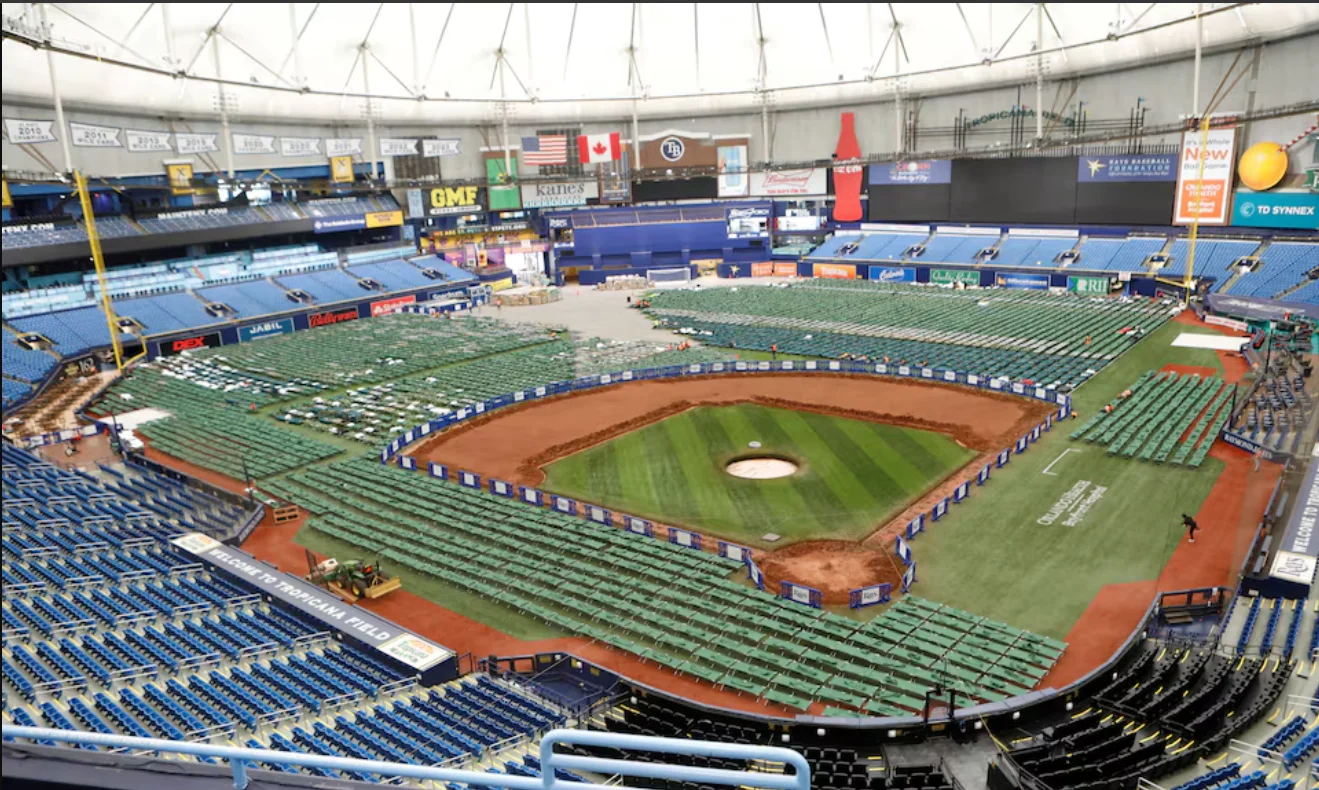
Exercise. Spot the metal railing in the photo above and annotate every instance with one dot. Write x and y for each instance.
(241, 759)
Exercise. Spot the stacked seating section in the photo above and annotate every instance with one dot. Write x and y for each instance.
(664, 603)
(109, 628)
(1046, 339)
(39, 234)
(1278, 406)
(1167, 707)
(1162, 417)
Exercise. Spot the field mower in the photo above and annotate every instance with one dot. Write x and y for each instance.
(351, 579)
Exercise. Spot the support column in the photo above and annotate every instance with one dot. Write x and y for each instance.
(1039, 73)
(55, 92)
(898, 144)
(373, 151)
(1199, 46)
(295, 36)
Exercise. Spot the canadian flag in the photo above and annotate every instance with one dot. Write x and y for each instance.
(599, 148)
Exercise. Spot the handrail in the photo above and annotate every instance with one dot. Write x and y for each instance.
(240, 758)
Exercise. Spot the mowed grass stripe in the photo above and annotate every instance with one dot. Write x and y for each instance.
(668, 482)
(886, 455)
(602, 478)
(716, 503)
(752, 503)
(757, 423)
(928, 458)
(837, 456)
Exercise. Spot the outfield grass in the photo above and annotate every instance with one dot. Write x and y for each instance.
(853, 475)
(992, 557)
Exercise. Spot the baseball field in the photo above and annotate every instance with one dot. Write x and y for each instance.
(851, 475)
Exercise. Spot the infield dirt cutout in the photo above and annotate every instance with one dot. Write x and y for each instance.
(515, 442)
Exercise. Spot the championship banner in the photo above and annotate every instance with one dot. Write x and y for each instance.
(341, 169)
(733, 176)
(800, 593)
(531, 496)
(299, 146)
(681, 537)
(396, 146)
(179, 176)
(982, 476)
(903, 551)
(343, 146)
(940, 509)
(85, 135)
(1210, 201)
(869, 596)
(445, 147)
(469, 480)
(565, 505)
(21, 131)
(637, 526)
(144, 142)
(909, 577)
(962, 492)
(916, 526)
(188, 143)
(599, 515)
(253, 143)
(439, 471)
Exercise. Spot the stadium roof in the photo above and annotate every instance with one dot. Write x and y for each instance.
(453, 62)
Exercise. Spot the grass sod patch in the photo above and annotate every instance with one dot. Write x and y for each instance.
(853, 474)
(991, 557)
(491, 613)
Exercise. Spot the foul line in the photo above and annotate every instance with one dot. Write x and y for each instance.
(1056, 460)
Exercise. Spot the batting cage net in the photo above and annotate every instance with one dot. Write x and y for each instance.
(669, 277)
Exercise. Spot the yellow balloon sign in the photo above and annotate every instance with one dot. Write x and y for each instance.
(1262, 166)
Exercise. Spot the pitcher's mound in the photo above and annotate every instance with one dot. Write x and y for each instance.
(761, 468)
(834, 567)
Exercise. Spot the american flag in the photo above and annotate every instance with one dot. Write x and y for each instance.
(545, 150)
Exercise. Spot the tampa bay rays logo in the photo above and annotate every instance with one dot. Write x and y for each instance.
(735, 270)
(672, 149)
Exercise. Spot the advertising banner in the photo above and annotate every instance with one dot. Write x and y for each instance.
(765, 269)
(1126, 168)
(733, 176)
(384, 219)
(1299, 537)
(790, 183)
(848, 173)
(144, 142)
(785, 269)
(616, 180)
(85, 135)
(330, 318)
(247, 334)
(388, 306)
(1208, 201)
(748, 223)
(1023, 282)
(169, 348)
(950, 276)
(893, 274)
(1259, 309)
(319, 605)
(503, 193)
(571, 193)
(833, 271)
(1298, 210)
(1089, 285)
(455, 200)
(335, 224)
(917, 171)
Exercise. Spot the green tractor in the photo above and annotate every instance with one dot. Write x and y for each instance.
(351, 579)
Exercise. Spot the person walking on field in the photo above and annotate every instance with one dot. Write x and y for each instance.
(1191, 527)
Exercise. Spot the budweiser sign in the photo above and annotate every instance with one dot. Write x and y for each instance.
(811, 181)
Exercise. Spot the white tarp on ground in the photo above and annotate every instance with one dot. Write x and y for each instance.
(1215, 342)
(132, 419)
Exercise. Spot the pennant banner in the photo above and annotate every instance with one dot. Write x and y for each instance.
(21, 131)
(140, 142)
(448, 147)
(85, 135)
(394, 146)
(196, 143)
(343, 146)
(253, 144)
(299, 146)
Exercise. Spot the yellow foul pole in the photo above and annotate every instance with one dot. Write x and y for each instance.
(98, 260)
(1199, 206)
